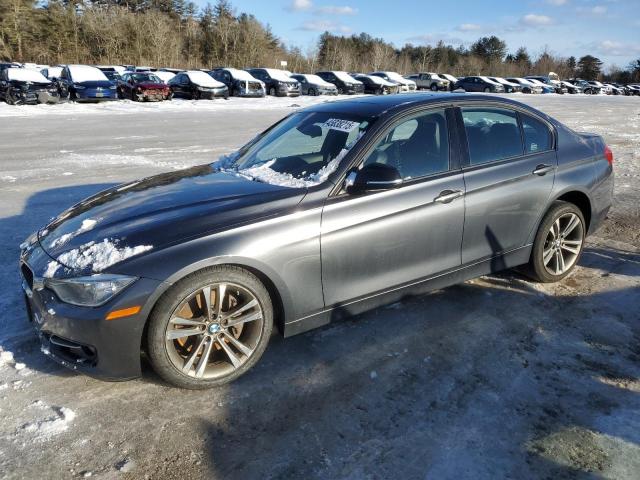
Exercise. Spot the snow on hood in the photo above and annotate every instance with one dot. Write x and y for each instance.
(379, 81)
(86, 225)
(203, 79)
(26, 75)
(451, 78)
(488, 80)
(311, 78)
(524, 81)
(505, 82)
(396, 77)
(97, 256)
(86, 73)
(241, 75)
(164, 76)
(280, 75)
(345, 77)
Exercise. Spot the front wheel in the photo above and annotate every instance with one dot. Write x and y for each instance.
(487, 90)
(558, 243)
(312, 92)
(210, 328)
(434, 87)
(272, 91)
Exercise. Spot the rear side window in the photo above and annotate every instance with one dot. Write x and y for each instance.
(492, 134)
(537, 137)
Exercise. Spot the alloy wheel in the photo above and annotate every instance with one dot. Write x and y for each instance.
(563, 244)
(214, 331)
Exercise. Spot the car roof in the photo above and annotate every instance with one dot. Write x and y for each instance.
(371, 106)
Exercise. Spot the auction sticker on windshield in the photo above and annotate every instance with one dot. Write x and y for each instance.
(342, 125)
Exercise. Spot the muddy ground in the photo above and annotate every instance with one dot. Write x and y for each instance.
(494, 378)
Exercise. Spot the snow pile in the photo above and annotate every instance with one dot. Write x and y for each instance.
(203, 79)
(87, 225)
(56, 423)
(98, 256)
(6, 358)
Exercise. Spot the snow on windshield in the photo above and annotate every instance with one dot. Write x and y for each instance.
(345, 77)
(279, 75)
(26, 75)
(203, 79)
(241, 75)
(86, 73)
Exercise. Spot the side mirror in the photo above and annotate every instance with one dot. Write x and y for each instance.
(375, 176)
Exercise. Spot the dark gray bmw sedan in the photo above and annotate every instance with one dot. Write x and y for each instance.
(333, 210)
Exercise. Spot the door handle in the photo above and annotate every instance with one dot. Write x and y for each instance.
(542, 169)
(447, 196)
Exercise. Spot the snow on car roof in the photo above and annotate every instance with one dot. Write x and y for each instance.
(279, 75)
(26, 75)
(504, 81)
(203, 79)
(311, 78)
(240, 74)
(395, 76)
(488, 80)
(86, 73)
(378, 80)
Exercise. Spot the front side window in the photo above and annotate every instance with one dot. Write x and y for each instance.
(416, 147)
(537, 137)
(492, 134)
(301, 151)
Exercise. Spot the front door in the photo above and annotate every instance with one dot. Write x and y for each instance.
(377, 241)
(509, 176)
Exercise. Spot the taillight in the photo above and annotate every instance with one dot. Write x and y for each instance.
(608, 154)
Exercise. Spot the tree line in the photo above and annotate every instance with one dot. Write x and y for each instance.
(176, 33)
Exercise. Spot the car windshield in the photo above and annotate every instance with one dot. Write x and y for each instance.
(145, 77)
(301, 151)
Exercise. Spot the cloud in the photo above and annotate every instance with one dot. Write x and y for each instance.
(434, 38)
(324, 26)
(468, 27)
(533, 20)
(300, 5)
(333, 10)
(597, 10)
(557, 3)
(615, 49)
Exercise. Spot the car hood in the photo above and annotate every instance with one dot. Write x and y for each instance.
(95, 84)
(166, 209)
(152, 85)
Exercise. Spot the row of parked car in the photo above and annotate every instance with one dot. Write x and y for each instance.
(29, 83)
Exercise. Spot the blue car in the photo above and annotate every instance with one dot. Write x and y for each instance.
(84, 83)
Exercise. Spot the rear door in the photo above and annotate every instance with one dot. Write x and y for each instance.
(377, 241)
(508, 174)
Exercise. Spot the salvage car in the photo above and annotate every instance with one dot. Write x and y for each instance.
(571, 88)
(406, 85)
(197, 85)
(277, 82)
(84, 83)
(313, 85)
(22, 85)
(141, 87)
(429, 81)
(345, 83)
(509, 87)
(376, 85)
(334, 210)
(479, 84)
(239, 82)
(527, 86)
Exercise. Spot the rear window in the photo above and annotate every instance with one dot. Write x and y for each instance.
(492, 134)
(537, 137)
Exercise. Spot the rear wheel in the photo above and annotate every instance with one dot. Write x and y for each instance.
(210, 328)
(558, 243)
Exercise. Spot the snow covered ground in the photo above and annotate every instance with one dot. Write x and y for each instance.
(495, 378)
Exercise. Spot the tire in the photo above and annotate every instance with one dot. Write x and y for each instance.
(312, 92)
(169, 357)
(340, 91)
(487, 90)
(272, 91)
(572, 233)
(434, 87)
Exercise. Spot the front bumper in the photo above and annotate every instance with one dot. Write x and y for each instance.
(79, 337)
(288, 91)
(33, 97)
(154, 95)
(210, 93)
(96, 95)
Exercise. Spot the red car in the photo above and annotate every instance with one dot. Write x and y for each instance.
(141, 86)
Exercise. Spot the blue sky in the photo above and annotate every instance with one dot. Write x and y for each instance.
(608, 29)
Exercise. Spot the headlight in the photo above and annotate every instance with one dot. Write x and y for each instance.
(90, 291)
